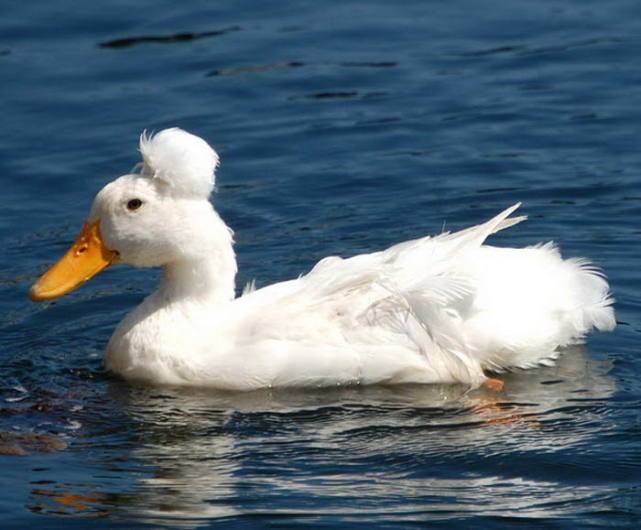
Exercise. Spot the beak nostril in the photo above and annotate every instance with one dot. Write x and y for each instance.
(81, 250)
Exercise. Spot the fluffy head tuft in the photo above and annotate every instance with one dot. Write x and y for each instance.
(186, 163)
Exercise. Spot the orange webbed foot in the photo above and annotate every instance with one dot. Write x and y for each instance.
(496, 385)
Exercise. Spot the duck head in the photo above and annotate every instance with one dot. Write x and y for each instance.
(145, 219)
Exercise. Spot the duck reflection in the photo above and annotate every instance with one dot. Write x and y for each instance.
(196, 455)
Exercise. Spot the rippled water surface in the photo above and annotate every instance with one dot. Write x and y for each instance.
(343, 126)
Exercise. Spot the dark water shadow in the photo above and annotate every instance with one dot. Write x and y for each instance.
(174, 37)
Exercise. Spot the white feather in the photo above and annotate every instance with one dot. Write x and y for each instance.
(437, 309)
(183, 161)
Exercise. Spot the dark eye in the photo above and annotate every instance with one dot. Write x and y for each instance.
(134, 204)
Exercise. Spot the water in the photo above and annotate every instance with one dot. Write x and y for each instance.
(343, 127)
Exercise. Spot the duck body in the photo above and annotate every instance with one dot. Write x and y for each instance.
(442, 309)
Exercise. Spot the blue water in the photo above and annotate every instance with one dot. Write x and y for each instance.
(343, 127)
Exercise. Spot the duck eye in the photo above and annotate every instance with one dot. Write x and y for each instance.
(134, 204)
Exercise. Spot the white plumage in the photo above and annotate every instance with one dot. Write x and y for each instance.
(432, 310)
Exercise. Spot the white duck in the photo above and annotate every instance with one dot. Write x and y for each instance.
(433, 310)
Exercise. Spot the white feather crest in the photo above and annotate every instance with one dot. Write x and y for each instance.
(182, 160)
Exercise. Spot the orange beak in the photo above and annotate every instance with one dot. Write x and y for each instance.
(86, 258)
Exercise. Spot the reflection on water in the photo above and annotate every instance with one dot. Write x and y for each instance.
(193, 455)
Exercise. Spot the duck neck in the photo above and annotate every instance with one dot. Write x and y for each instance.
(208, 280)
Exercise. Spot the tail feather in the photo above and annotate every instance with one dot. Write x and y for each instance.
(593, 293)
(510, 221)
(476, 235)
